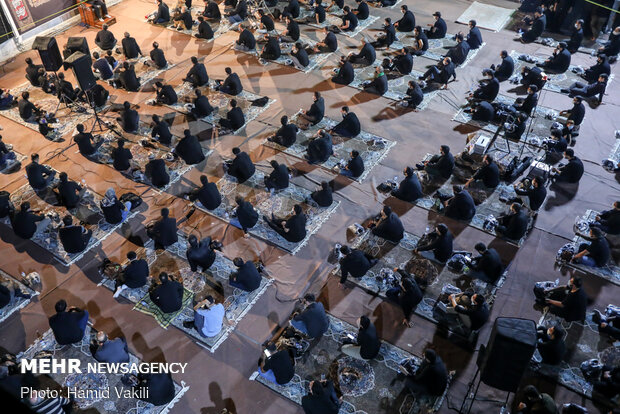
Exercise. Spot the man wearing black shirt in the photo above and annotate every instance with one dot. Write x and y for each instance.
(164, 230)
(204, 29)
(292, 229)
(576, 37)
(168, 295)
(413, 96)
(317, 110)
(349, 20)
(407, 295)
(407, 22)
(321, 398)
(291, 34)
(568, 302)
(201, 106)
(473, 309)
(355, 263)
(161, 131)
(69, 192)
(68, 325)
(86, 142)
(600, 67)
(189, 149)
(409, 188)
(328, 44)
(241, 167)
(609, 220)
(319, 14)
(514, 224)
(184, 21)
(232, 83)
(572, 171)
(246, 278)
(488, 266)
(312, 321)
(536, 193)
(431, 378)
(134, 275)
(577, 112)
(461, 206)
(388, 35)
(559, 61)
(199, 253)
(39, 176)
(591, 90)
(234, 117)
(239, 13)
(402, 62)
(129, 119)
(98, 95)
(537, 28)
(441, 73)
(516, 129)
(245, 216)
(550, 344)
(131, 50)
(323, 196)
(212, 11)
(163, 13)
(74, 239)
(27, 110)
(127, 78)
(487, 175)
(345, 74)
(504, 70)
(246, 41)
(197, 75)
(354, 167)
(266, 23)
(278, 367)
(24, 222)
(157, 56)
(208, 194)
(320, 148)
(488, 89)
(32, 72)
(440, 242)
(366, 55)
(121, 156)
(362, 12)
(278, 178)
(438, 29)
(105, 39)
(474, 37)
(156, 172)
(299, 56)
(388, 226)
(596, 253)
(349, 126)
(420, 45)
(166, 94)
(440, 165)
(286, 135)
(102, 67)
(271, 50)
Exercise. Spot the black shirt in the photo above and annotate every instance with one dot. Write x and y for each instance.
(282, 365)
(346, 74)
(157, 56)
(516, 225)
(319, 10)
(441, 245)
(572, 171)
(73, 239)
(296, 226)
(202, 107)
(233, 84)
(131, 50)
(201, 255)
(434, 375)
(355, 263)
(129, 80)
(267, 22)
(279, 177)
(198, 73)
(317, 110)
(236, 118)
(131, 120)
(189, 150)
(489, 174)
(368, 341)
(168, 296)
(113, 212)
(390, 228)
(287, 135)
(320, 149)
(247, 39)
(351, 123)
(136, 273)
(443, 163)
(247, 275)
(68, 192)
(599, 251)
(167, 95)
(323, 197)
(26, 109)
(155, 170)
(161, 130)
(84, 141)
(35, 173)
(331, 41)
(577, 113)
(356, 166)
(25, 224)
(362, 11)
(204, 30)
(574, 306)
(352, 19)
(302, 57)
(478, 314)
(505, 69)
(407, 22)
(409, 189)
(246, 215)
(611, 219)
(164, 231)
(105, 39)
(209, 196)
(536, 195)
(293, 30)
(404, 63)
(272, 49)
(65, 326)
(120, 158)
(490, 263)
(315, 319)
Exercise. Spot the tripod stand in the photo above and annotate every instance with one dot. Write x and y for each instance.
(99, 123)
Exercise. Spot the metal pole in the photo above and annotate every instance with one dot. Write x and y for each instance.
(17, 38)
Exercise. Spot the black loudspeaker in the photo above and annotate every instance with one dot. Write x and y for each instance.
(49, 52)
(76, 44)
(80, 63)
(508, 353)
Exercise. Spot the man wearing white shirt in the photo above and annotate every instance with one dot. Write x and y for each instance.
(208, 317)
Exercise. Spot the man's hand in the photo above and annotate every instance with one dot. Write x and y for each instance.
(521, 406)
(407, 323)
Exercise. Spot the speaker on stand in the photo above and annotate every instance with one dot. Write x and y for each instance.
(504, 360)
(48, 52)
(76, 44)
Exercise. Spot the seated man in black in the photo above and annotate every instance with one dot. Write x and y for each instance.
(164, 230)
(278, 366)
(232, 83)
(513, 225)
(133, 275)
(409, 188)
(482, 111)
(271, 50)
(438, 29)
(366, 55)
(286, 135)
(68, 325)
(431, 378)
(407, 295)
(355, 263)
(345, 73)
(441, 73)
(208, 195)
(440, 165)
(514, 130)
(388, 226)
(536, 192)
(168, 294)
(129, 119)
(246, 40)
(204, 29)
(189, 149)
(329, 42)
(105, 39)
(592, 92)
(599, 68)
(550, 344)
(420, 42)
(65, 90)
(472, 309)
(323, 196)
(460, 206)
(571, 172)
(212, 11)
(161, 131)
(201, 106)
(69, 192)
(474, 37)
(349, 20)
(362, 12)
(157, 57)
(440, 242)
(156, 388)
(388, 35)
(234, 117)
(379, 84)
(568, 302)
(488, 89)
(131, 50)
(291, 33)
(121, 156)
(608, 220)
(278, 179)
(504, 70)
(459, 52)
(162, 15)
(74, 239)
(246, 278)
(299, 56)
(245, 216)
(535, 402)
(312, 320)
(184, 20)
(200, 253)
(32, 72)
(166, 94)
(27, 110)
(156, 172)
(321, 398)
(532, 76)
(292, 229)
(197, 75)
(24, 222)
(354, 167)
(98, 95)
(487, 266)
(127, 78)
(241, 167)
(86, 142)
(402, 63)
(39, 176)
(413, 96)
(487, 175)
(320, 148)
(596, 253)
(349, 126)
(100, 9)
(538, 27)
(407, 22)
(609, 383)
(559, 62)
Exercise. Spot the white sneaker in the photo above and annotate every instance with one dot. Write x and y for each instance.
(118, 291)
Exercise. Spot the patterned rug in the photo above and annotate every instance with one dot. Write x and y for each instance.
(220, 101)
(539, 125)
(17, 302)
(437, 48)
(610, 272)
(213, 282)
(335, 19)
(390, 7)
(67, 120)
(372, 387)
(554, 82)
(583, 342)
(87, 213)
(487, 16)
(219, 28)
(381, 277)
(614, 154)
(365, 143)
(280, 204)
(93, 381)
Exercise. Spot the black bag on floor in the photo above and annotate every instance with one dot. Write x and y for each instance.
(134, 199)
(260, 101)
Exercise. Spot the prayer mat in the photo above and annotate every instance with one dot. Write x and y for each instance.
(220, 101)
(614, 154)
(335, 19)
(378, 5)
(13, 164)
(87, 213)
(212, 282)
(364, 385)
(280, 204)
(437, 48)
(175, 166)
(371, 148)
(555, 82)
(539, 125)
(581, 227)
(68, 116)
(515, 22)
(146, 306)
(46, 347)
(487, 16)
(551, 42)
(17, 302)
(439, 279)
(219, 28)
(583, 342)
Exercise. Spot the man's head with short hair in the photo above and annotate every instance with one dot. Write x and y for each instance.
(34, 157)
(132, 255)
(29, 61)
(194, 59)
(480, 247)
(472, 23)
(102, 337)
(236, 150)
(155, 45)
(126, 105)
(364, 322)
(96, 55)
(63, 176)
(163, 277)
(67, 220)
(233, 103)
(569, 153)
(284, 120)
(25, 206)
(430, 355)
(104, 26)
(298, 209)
(60, 306)
(309, 297)
(165, 212)
(237, 261)
(80, 128)
(26, 95)
(192, 240)
(204, 180)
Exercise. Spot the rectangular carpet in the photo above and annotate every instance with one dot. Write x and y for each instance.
(365, 386)
(614, 154)
(437, 48)
(368, 145)
(487, 16)
(213, 282)
(16, 303)
(280, 204)
(46, 345)
(335, 19)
